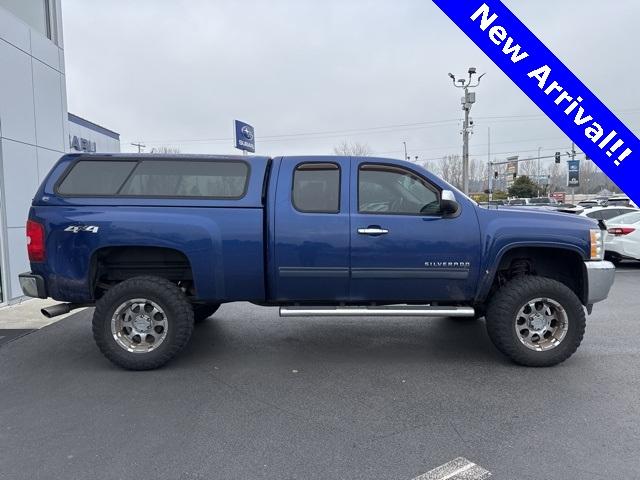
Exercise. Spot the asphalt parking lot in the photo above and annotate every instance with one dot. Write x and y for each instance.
(256, 396)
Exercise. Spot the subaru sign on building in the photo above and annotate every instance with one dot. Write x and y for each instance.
(245, 138)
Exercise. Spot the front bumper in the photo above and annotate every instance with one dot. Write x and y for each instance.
(600, 277)
(32, 285)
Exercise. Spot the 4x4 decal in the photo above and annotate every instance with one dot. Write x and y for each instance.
(82, 228)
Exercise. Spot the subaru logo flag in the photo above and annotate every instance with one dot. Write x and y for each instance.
(245, 137)
(573, 175)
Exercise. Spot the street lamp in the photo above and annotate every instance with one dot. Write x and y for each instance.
(467, 101)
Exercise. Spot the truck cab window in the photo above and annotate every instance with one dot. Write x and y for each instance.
(316, 188)
(388, 189)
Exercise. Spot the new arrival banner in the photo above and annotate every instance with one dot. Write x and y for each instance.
(551, 86)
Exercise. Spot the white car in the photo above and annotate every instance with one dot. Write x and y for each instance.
(607, 213)
(620, 201)
(623, 238)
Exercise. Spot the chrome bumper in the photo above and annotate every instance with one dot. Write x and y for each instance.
(600, 277)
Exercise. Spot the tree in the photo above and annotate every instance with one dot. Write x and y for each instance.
(450, 169)
(352, 149)
(523, 187)
(165, 149)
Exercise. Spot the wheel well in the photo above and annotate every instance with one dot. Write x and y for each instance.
(112, 265)
(565, 266)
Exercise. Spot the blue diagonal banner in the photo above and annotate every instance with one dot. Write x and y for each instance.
(552, 87)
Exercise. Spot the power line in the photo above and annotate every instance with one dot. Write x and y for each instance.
(369, 130)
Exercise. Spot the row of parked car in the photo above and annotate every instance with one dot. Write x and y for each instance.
(622, 219)
(620, 214)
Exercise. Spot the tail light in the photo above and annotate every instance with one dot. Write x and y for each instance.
(619, 231)
(35, 241)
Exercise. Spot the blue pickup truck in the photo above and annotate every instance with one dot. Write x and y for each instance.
(157, 243)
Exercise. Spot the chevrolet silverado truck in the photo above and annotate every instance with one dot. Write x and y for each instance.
(157, 243)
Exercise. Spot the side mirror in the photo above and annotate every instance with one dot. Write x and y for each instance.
(449, 207)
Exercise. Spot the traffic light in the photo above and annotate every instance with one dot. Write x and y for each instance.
(515, 175)
(557, 157)
(495, 174)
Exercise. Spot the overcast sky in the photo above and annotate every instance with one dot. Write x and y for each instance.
(177, 72)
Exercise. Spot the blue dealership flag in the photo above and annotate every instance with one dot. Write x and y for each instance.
(551, 86)
(244, 136)
(573, 173)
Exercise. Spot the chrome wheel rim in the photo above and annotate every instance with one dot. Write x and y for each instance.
(139, 325)
(541, 324)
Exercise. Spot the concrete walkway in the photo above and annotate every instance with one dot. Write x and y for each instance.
(26, 315)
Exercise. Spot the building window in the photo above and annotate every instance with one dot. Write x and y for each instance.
(316, 188)
(38, 14)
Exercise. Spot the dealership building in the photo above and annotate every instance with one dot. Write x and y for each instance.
(35, 127)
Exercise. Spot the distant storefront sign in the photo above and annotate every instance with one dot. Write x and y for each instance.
(245, 137)
(81, 144)
(573, 173)
(512, 170)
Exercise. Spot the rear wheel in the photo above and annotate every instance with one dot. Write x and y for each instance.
(202, 312)
(536, 321)
(143, 322)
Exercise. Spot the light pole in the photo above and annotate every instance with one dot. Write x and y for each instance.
(406, 157)
(467, 101)
(539, 148)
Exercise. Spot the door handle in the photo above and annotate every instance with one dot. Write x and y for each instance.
(373, 230)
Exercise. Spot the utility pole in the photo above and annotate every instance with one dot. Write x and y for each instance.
(139, 145)
(539, 148)
(406, 157)
(467, 101)
(489, 165)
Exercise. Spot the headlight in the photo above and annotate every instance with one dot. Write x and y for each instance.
(597, 244)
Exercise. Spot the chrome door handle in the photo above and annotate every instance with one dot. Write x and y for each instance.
(372, 231)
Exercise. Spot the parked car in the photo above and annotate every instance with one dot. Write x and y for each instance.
(158, 241)
(620, 201)
(569, 208)
(623, 238)
(607, 213)
(519, 201)
(588, 204)
(542, 201)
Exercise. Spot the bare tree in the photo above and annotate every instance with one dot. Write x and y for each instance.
(354, 149)
(450, 169)
(165, 149)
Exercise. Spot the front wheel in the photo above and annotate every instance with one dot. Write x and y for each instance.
(143, 322)
(536, 321)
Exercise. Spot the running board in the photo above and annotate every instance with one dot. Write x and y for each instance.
(383, 311)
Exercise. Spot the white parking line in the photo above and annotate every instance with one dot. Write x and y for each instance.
(457, 469)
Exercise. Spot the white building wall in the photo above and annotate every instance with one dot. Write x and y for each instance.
(33, 130)
(100, 139)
